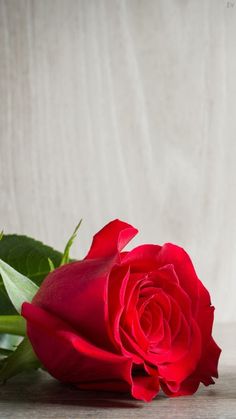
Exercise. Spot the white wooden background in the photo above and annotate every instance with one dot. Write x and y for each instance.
(123, 109)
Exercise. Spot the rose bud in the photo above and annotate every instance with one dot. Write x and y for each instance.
(125, 321)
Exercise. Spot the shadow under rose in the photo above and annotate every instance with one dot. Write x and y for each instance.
(41, 388)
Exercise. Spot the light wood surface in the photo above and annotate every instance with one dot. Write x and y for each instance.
(122, 109)
(37, 395)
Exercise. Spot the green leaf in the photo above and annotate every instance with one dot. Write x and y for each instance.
(6, 306)
(22, 359)
(27, 256)
(5, 352)
(13, 325)
(51, 265)
(19, 287)
(1, 235)
(9, 341)
(66, 258)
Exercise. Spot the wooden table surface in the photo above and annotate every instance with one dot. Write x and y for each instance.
(37, 395)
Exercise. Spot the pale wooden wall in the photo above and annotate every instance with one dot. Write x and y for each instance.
(123, 109)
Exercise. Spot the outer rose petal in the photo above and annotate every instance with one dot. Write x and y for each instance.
(68, 356)
(111, 239)
(206, 368)
(201, 374)
(76, 293)
(203, 371)
(145, 388)
(72, 359)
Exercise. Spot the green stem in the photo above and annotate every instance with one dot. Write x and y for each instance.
(13, 325)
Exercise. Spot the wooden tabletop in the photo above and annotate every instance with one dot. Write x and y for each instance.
(37, 395)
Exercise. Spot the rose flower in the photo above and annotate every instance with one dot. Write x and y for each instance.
(125, 321)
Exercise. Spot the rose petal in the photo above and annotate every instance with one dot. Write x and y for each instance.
(162, 279)
(208, 363)
(131, 347)
(180, 370)
(117, 283)
(69, 357)
(179, 345)
(111, 239)
(175, 318)
(145, 387)
(142, 258)
(184, 269)
(76, 293)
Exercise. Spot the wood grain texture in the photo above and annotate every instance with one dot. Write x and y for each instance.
(122, 109)
(37, 395)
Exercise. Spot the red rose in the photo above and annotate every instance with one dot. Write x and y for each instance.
(125, 321)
